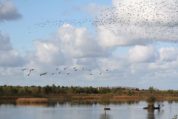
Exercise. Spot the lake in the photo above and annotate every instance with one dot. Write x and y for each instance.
(87, 111)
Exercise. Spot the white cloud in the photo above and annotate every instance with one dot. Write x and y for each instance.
(8, 11)
(47, 52)
(11, 59)
(4, 42)
(118, 36)
(47, 55)
(78, 42)
(168, 54)
(142, 54)
(71, 46)
(8, 56)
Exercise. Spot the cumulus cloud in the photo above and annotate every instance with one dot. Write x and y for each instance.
(47, 52)
(110, 38)
(142, 54)
(4, 42)
(9, 57)
(8, 11)
(70, 46)
(168, 54)
(78, 42)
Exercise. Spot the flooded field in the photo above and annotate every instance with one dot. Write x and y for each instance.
(88, 111)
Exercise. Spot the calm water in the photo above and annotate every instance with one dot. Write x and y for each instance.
(95, 111)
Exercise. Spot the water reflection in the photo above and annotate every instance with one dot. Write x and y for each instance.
(151, 114)
(105, 116)
(153, 111)
(57, 103)
(33, 104)
(87, 111)
(154, 114)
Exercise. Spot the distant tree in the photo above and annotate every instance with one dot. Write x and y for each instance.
(130, 93)
(151, 89)
(151, 99)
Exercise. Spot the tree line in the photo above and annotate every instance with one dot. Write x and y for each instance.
(53, 90)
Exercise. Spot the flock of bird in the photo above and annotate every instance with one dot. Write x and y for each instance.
(141, 13)
(124, 13)
(65, 71)
(126, 18)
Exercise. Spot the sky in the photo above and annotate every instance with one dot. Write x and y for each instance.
(128, 43)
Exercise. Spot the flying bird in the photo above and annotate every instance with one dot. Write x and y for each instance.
(42, 74)
(30, 71)
(24, 69)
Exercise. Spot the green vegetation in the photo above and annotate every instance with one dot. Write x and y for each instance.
(87, 94)
(151, 99)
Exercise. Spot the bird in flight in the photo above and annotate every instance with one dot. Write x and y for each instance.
(24, 69)
(30, 71)
(42, 74)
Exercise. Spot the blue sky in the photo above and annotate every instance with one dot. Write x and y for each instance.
(138, 48)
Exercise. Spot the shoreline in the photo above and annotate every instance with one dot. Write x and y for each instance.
(53, 94)
(101, 99)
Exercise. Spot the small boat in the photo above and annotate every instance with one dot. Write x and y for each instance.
(152, 107)
(107, 108)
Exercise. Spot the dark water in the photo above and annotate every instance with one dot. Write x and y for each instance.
(93, 111)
